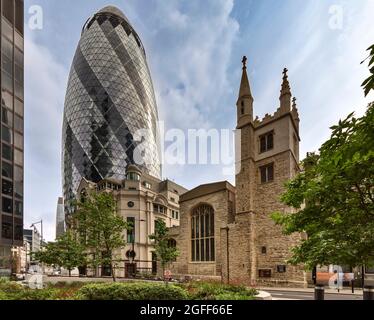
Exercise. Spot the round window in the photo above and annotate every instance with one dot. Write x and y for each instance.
(130, 254)
(130, 204)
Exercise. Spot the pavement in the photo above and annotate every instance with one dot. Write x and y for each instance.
(308, 294)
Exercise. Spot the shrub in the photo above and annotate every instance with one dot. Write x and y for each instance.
(68, 285)
(35, 294)
(3, 296)
(218, 291)
(10, 287)
(131, 291)
(11, 290)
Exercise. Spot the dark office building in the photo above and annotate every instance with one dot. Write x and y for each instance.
(109, 97)
(12, 97)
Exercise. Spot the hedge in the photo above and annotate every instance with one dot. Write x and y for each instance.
(131, 291)
(218, 291)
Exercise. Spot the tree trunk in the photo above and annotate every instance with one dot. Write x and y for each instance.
(163, 275)
(69, 272)
(113, 272)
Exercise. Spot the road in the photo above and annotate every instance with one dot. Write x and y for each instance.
(302, 295)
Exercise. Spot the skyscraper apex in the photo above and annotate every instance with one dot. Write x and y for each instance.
(113, 10)
(109, 98)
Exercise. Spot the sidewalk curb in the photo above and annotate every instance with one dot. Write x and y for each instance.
(263, 295)
(358, 292)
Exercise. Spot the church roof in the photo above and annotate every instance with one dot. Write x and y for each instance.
(205, 189)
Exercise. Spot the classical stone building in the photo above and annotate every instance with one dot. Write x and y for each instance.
(141, 200)
(245, 245)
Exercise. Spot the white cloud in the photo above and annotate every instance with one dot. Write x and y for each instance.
(190, 64)
(45, 81)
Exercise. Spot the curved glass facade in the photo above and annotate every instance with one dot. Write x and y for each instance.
(109, 97)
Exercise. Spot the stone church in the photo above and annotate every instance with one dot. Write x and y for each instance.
(226, 232)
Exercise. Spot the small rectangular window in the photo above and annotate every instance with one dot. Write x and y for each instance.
(18, 229)
(18, 123)
(18, 157)
(7, 227)
(267, 173)
(7, 117)
(7, 205)
(281, 268)
(7, 187)
(266, 142)
(18, 208)
(262, 144)
(131, 231)
(7, 135)
(18, 182)
(264, 273)
(7, 170)
(7, 65)
(7, 48)
(7, 100)
(7, 152)
(6, 81)
(18, 140)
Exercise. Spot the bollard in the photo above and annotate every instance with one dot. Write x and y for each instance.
(353, 286)
(369, 293)
(319, 292)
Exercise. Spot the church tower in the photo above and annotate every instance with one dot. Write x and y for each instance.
(245, 140)
(267, 157)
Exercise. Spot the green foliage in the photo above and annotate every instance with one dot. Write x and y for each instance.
(100, 228)
(126, 291)
(66, 252)
(35, 294)
(8, 287)
(335, 195)
(11, 290)
(164, 252)
(368, 84)
(131, 291)
(218, 291)
(3, 296)
(68, 285)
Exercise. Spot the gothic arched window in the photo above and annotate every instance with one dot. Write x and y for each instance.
(202, 234)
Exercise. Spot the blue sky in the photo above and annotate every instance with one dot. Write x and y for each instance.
(194, 49)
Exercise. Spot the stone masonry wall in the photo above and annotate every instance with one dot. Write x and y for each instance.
(184, 265)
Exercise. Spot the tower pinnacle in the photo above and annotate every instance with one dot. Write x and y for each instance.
(245, 89)
(244, 61)
(285, 94)
(245, 100)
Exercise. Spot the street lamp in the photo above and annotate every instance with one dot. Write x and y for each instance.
(41, 231)
(41, 236)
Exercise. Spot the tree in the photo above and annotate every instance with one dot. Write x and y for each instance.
(368, 84)
(100, 228)
(335, 198)
(164, 251)
(67, 252)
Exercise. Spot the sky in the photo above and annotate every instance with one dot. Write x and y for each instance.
(194, 51)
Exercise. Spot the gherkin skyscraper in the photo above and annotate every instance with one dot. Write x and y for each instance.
(109, 98)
